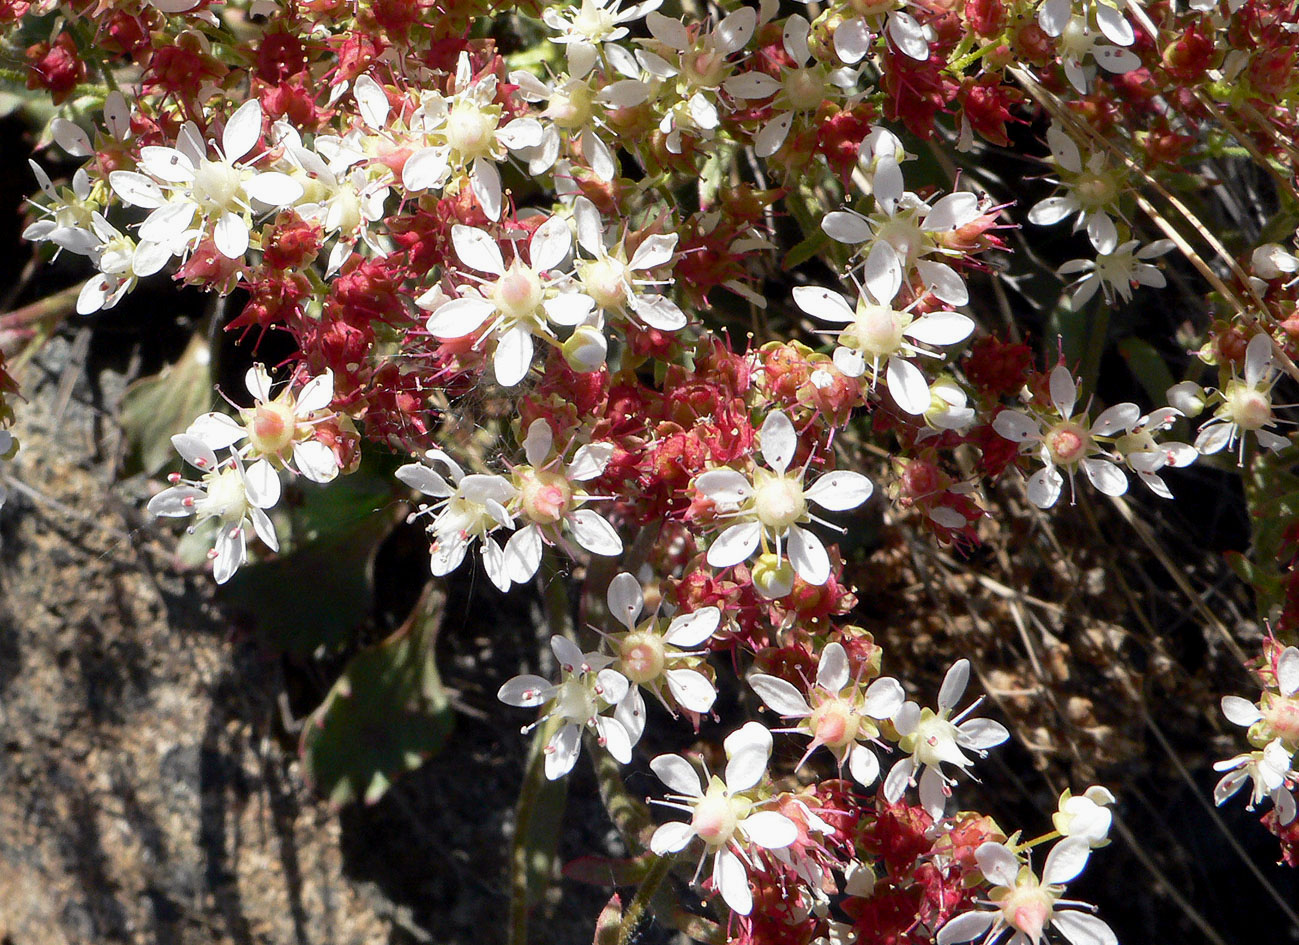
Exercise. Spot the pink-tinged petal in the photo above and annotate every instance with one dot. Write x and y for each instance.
(459, 317)
(1120, 417)
(692, 629)
(1258, 359)
(176, 502)
(731, 880)
(734, 545)
(242, 130)
(852, 40)
(884, 698)
(513, 356)
(195, 451)
(538, 443)
(940, 328)
(1105, 476)
(166, 164)
(882, 275)
(564, 749)
(1240, 711)
(1064, 390)
(908, 34)
(477, 250)
(625, 599)
(863, 765)
(217, 430)
(895, 785)
(1044, 487)
(997, 863)
(231, 549)
(908, 386)
(71, 138)
(315, 460)
(1083, 928)
(273, 189)
(954, 683)
(1052, 210)
(523, 554)
(844, 226)
(724, 486)
(671, 837)
(264, 528)
(485, 182)
(614, 737)
(944, 281)
(780, 696)
(824, 304)
(769, 830)
(262, 483)
(966, 927)
(773, 134)
(747, 749)
(691, 690)
(589, 462)
(832, 670)
(678, 774)
(371, 102)
(549, 245)
(425, 169)
(526, 691)
(1287, 671)
(808, 556)
(779, 441)
(1066, 860)
(594, 533)
(136, 190)
(231, 235)
(735, 31)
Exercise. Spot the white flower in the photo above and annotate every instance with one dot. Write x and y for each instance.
(574, 111)
(1067, 443)
(280, 431)
(549, 496)
(1275, 719)
(897, 239)
(1077, 39)
(584, 30)
(1116, 272)
(1246, 404)
(1269, 769)
(771, 506)
(586, 690)
(191, 194)
(610, 278)
(853, 38)
(470, 510)
(932, 738)
(518, 306)
(876, 334)
(1271, 261)
(1090, 190)
(723, 813)
(1023, 905)
(1085, 815)
(235, 497)
(657, 652)
(843, 715)
(1144, 455)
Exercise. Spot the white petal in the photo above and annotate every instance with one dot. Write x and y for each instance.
(166, 164)
(477, 249)
(965, 927)
(1115, 60)
(1258, 359)
(1051, 210)
(625, 599)
(779, 441)
(231, 551)
(485, 181)
(136, 189)
(167, 222)
(594, 534)
(258, 382)
(832, 670)
(895, 785)
(747, 749)
(863, 765)
(954, 684)
(824, 304)
(565, 747)
(262, 483)
(882, 274)
(908, 386)
(1083, 928)
(1064, 390)
(884, 697)
(940, 328)
(217, 430)
(616, 740)
(1240, 711)
(371, 102)
(808, 556)
(1105, 476)
(316, 394)
(734, 545)
(952, 212)
(589, 462)
(909, 35)
(71, 138)
(424, 169)
(751, 85)
(654, 251)
(538, 443)
(671, 837)
(315, 460)
(1016, 426)
(1119, 417)
(459, 317)
(838, 491)
(769, 829)
(658, 311)
(523, 554)
(176, 502)
(520, 133)
(732, 882)
(844, 226)
(513, 356)
(1102, 232)
(780, 696)
(549, 245)
(242, 130)
(734, 32)
(690, 630)
(692, 690)
(1044, 487)
(981, 734)
(1287, 671)
(1066, 860)
(231, 235)
(678, 774)
(852, 40)
(944, 281)
(195, 451)
(273, 189)
(570, 308)
(526, 691)
(773, 134)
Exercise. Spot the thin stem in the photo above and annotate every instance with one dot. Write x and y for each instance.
(644, 894)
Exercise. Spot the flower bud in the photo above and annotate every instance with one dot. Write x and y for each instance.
(773, 577)
(586, 349)
(1188, 397)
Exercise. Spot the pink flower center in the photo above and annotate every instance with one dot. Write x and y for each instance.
(1067, 443)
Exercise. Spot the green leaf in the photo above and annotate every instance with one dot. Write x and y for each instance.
(156, 408)
(385, 716)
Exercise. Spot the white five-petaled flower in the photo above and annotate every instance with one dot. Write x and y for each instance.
(232, 495)
(584, 30)
(724, 813)
(471, 507)
(876, 334)
(1246, 404)
(655, 652)
(1269, 769)
(519, 305)
(1144, 455)
(1085, 815)
(586, 691)
(1066, 443)
(190, 193)
(1026, 906)
(853, 38)
(771, 506)
(931, 738)
(279, 430)
(839, 713)
(1274, 720)
(611, 279)
(1090, 190)
(548, 497)
(1115, 272)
